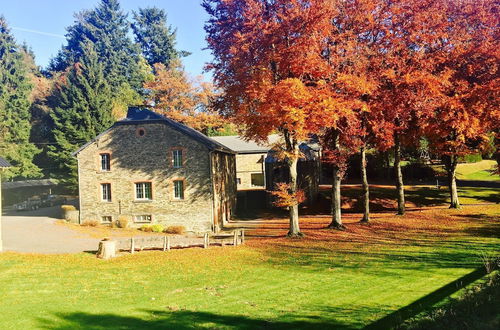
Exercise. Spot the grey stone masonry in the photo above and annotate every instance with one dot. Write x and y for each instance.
(142, 152)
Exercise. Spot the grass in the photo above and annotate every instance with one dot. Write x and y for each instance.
(479, 171)
(331, 279)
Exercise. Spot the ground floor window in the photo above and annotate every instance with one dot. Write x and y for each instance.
(106, 219)
(257, 179)
(179, 189)
(143, 218)
(143, 190)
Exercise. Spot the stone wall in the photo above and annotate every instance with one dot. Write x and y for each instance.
(246, 164)
(147, 158)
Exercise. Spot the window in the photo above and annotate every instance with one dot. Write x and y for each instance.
(143, 190)
(177, 158)
(257, 179)
(107, 219)
(140, 132)
(179, 189)
(105, 162)
(142, 218)
(106, 192)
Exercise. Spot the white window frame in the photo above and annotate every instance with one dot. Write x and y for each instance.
(182, 194)
(108, 217)
(105, 162)
(177, 158)
(106, 192)
(143, 191)
(143, 218)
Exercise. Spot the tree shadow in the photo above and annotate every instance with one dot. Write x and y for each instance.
(184, 319)
(427, 301)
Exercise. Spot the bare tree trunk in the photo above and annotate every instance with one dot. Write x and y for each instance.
(366, 188)
(292, 146)
(399, 174)
(451, 167)
(336, 199)
(294, 230)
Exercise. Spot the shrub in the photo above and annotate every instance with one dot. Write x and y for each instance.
(90, 223)
(175, 230)
(157, 228)
(146, 228)
(122, 222)
(66, 208)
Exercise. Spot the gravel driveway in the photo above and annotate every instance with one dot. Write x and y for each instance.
(36, 232)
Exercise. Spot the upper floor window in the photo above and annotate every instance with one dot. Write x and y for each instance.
(106, 192)
(179, 189)
(105, 162)
(143, 191)
(177, 158)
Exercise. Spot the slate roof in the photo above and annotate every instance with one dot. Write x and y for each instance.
(144, 116)
(4, 163)
(29, 183)
(241, 146)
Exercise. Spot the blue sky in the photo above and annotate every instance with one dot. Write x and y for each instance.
(51, 17)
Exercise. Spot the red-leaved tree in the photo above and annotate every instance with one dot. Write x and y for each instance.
(269, 64)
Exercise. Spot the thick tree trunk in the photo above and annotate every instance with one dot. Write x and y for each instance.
(451, 167)
(294, 230)
(336, 199)
(399, 174)
(366, 188)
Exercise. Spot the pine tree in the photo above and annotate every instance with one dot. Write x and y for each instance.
(82, 109)
(107, 28)
(155, 37)
(15, 90)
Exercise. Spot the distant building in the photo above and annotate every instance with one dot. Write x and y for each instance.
(152, 169)
(258, 169)
(3, 164)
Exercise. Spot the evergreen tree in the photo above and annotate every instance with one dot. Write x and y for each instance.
(82, 109)
(107, 28)
(15, 90)
(155, 37)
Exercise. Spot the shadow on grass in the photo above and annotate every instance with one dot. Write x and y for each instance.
(427, 301)
(158, 319)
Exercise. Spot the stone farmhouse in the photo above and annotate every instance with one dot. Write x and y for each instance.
(151, 169)
(258, 169)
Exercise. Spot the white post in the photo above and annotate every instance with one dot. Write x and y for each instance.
(132, 245)
(168, 243)
(235, 238)
(164, 243)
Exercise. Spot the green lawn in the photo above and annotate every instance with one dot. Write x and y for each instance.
(482, 171)
(375, 275)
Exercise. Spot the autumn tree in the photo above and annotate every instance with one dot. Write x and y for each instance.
(175, 95)
(408, 87)
(468, 56)
(269, 64)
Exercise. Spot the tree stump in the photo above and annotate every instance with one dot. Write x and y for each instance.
(107, 249)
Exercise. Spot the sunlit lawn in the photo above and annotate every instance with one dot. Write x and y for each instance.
(329, 279)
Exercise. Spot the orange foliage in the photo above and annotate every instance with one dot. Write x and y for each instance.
(286, 197)
(174, 95)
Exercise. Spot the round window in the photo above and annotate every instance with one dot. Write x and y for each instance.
(141, 132)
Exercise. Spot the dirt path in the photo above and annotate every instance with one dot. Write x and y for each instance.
(37, 232)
